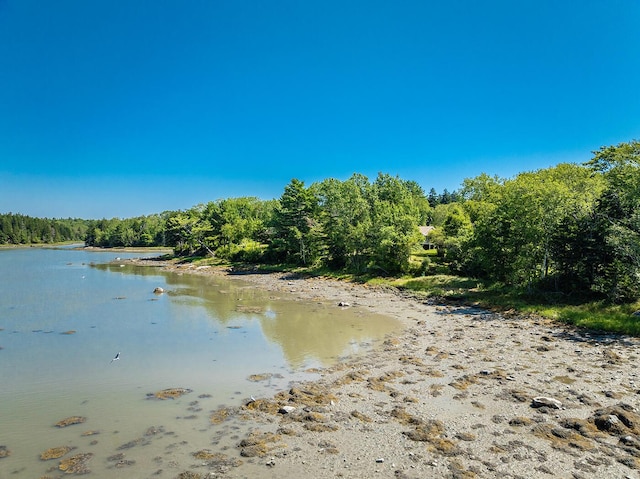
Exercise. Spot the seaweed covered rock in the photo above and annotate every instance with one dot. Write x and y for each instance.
(259, 444)
(263, 405)
(171, 393)
(619, 420)
(77, 464)
(309, 395)
(70, 421)
(220, 415)
(54, 453)
(217, 461)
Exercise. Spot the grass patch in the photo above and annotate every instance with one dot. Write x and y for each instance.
(438, 285)
(580, 312)
(598, 316)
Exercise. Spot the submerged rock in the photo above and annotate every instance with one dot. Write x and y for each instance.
(4, 451)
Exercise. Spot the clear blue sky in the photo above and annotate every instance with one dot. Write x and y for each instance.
(124, 108)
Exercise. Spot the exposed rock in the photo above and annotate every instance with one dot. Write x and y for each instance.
(563, 439)
(76, 464)
(171, 393)
(4, 452)
(344, 304)
(309, 395)
(189, 475)
(619, 420)
(286, 409)
(544, 401)
(361, 416)
(263, 405)
(158, 290)
(70, 421)
(630, 441)
(520, 421)
(258, 444)
(54, 453)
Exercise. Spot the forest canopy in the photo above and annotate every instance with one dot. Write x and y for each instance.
(571, 228)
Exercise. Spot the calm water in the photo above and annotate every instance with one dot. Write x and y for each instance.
(65, 313)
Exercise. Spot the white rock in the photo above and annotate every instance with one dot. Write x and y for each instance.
(541, 401)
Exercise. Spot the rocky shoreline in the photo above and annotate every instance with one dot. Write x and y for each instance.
(460, 393)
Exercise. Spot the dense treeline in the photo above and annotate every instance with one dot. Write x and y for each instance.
(19, 229)
(115, 232)
(570, 229)
(354, 224)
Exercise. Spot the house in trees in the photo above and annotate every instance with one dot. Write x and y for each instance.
(426, 231)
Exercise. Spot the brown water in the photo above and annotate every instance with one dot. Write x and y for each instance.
(63, 321)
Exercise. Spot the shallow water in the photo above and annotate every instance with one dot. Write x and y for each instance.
(64, 314)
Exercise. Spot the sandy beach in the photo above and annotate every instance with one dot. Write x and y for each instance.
(460, 393)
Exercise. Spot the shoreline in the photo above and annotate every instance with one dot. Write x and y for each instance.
(452, 395)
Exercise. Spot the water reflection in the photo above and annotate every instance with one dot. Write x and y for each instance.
(304, 331)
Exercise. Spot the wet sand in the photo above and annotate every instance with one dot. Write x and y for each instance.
(460, 393)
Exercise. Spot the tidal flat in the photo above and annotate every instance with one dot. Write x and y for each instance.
(189, 359)
(458, 392)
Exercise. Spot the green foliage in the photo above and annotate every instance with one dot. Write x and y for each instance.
(352, 224)
(616, 221)
(297, 232)
(517, 221)
(220, 228)
(345, 216)
(141, 231)
(247, 251)
(371, 226)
